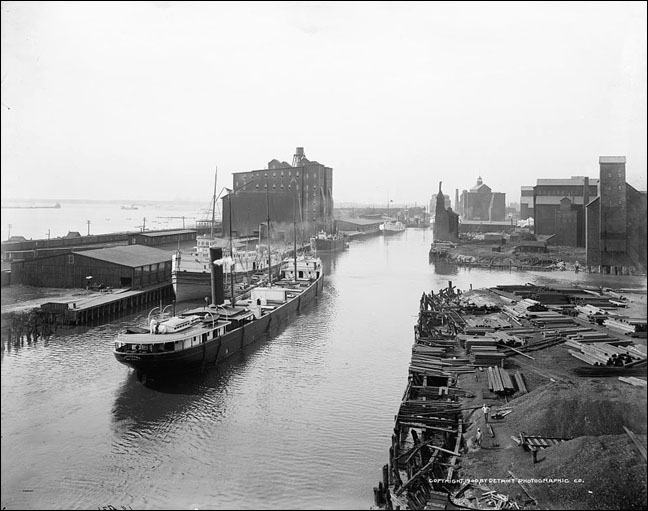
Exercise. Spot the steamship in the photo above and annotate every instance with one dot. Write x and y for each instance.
(171, 344)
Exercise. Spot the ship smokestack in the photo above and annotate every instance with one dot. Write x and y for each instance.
(218, 295)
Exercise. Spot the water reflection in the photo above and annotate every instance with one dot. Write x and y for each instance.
(443, 268)
(299, 420)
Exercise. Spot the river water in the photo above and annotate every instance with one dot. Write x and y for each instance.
(302, 420)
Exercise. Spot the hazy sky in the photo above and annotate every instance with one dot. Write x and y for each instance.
(143, 100)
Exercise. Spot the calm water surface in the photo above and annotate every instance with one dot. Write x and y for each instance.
(302, 420)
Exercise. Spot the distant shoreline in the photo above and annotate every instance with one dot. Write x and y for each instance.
(55, 206)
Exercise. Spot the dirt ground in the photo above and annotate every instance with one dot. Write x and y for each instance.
(483, 253)
(22, 298)
(603, 466)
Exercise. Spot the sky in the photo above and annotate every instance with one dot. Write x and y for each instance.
(148, 100)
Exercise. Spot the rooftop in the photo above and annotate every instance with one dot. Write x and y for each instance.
(128, 255)
(612, 159)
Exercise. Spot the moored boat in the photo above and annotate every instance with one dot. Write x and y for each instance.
(391, 226)
(191, 271)
(203, 336)
(327, 242)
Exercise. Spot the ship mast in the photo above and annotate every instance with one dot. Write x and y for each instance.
(295, 233)
(268, 234)
(214, 205)
(231, 244)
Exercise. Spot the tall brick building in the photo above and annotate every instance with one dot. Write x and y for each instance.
(559, 208)
(616, 222)
(284, 191)
(481, 203)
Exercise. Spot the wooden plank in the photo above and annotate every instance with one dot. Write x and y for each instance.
(453, 461)
(520, 353)
(421, 472)
(637, 442)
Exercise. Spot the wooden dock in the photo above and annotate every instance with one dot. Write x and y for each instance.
(107, 305)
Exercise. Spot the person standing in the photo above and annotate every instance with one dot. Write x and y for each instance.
(478, 437)
(486, 409)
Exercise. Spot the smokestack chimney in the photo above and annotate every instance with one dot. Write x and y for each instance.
(218, 295)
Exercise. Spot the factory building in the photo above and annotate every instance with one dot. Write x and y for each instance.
(559, 208)
(481, 203)
(299, 194)
(616, 222)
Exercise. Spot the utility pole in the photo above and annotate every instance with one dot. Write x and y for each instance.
(9, 226)
(48, 234)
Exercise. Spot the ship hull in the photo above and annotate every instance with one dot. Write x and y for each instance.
(192, 285)
(328, 245)
(156, 365)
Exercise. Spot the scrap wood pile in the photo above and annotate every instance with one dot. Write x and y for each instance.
(431, 415)
(478, 497)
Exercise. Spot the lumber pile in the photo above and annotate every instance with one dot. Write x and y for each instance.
(603, 353)
(487, 357)
(593, 337)
(499, 381)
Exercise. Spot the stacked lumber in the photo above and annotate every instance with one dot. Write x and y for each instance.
(590, 310)
(592, 337)
(487, 357)
(623, 325)
(439, 392)
(478, 342)
(533, 346)
(429, 350)
(519, 380)
(600, 353)
(499, 381)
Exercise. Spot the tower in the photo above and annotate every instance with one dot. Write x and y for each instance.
(298, 157)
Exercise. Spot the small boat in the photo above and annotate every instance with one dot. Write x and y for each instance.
(172, 344)
(391, 226)
(131, 206)
(328, 242)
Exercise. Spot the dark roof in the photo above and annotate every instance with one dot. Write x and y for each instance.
(360, 221)
(73, 234)
(166, 233)
(128, 255)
